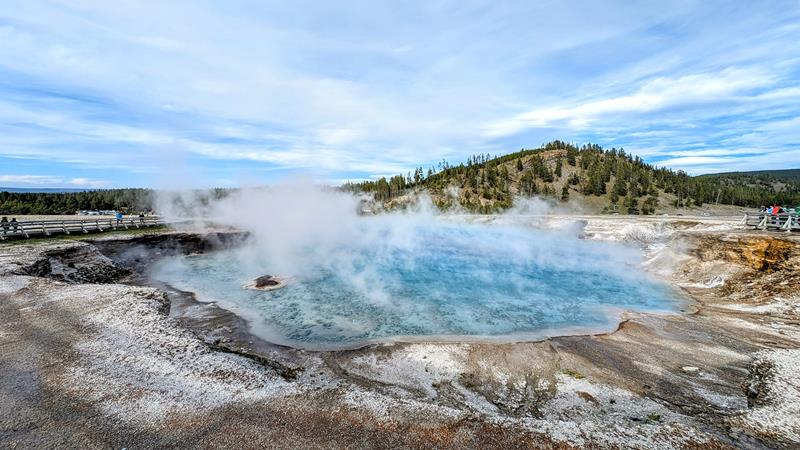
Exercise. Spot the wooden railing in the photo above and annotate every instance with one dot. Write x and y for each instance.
(763, 221)
(31, 228)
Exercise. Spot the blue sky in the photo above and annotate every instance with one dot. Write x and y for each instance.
(208, 93)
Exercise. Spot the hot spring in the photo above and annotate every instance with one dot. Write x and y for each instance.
(399, 279)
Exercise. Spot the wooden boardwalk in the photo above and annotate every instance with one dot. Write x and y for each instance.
(39, 228)
(777, 222)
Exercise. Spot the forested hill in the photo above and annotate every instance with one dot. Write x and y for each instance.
(609, 179)
(767, 177)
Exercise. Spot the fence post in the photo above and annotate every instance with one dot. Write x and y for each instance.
(763, 224)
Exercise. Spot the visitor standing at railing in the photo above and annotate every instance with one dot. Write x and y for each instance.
(775, 220)
(119, 218)
(4, 223)
(14, 224)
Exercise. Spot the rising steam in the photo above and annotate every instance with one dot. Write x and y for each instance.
(418, 265)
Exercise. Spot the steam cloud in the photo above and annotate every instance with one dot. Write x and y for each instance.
(300, 229)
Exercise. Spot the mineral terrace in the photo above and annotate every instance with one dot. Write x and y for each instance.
(94, 355)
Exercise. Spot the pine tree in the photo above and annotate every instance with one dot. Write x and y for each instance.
(631, 204)
(571, 154)
(620, 187)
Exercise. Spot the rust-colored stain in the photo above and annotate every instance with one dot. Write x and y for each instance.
(766, 255)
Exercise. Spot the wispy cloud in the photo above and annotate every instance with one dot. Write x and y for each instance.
(661, 93)
(132, 92)
(44, 180)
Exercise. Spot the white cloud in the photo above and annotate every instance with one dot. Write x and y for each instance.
(659, 93)
(39, 180)
(86, 182)
(47, 180)
(686, 161)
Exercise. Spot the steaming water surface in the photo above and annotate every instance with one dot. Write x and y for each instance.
(431, 280)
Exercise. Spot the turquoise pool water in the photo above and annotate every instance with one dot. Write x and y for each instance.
(432, 281)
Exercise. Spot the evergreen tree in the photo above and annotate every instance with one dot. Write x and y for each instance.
(620, 187)
(631, 204)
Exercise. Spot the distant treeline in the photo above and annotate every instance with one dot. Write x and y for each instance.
(126, 200)
(133, 200)
(559, 169)
(761, 188)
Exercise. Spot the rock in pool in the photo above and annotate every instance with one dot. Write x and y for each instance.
(267, 283)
